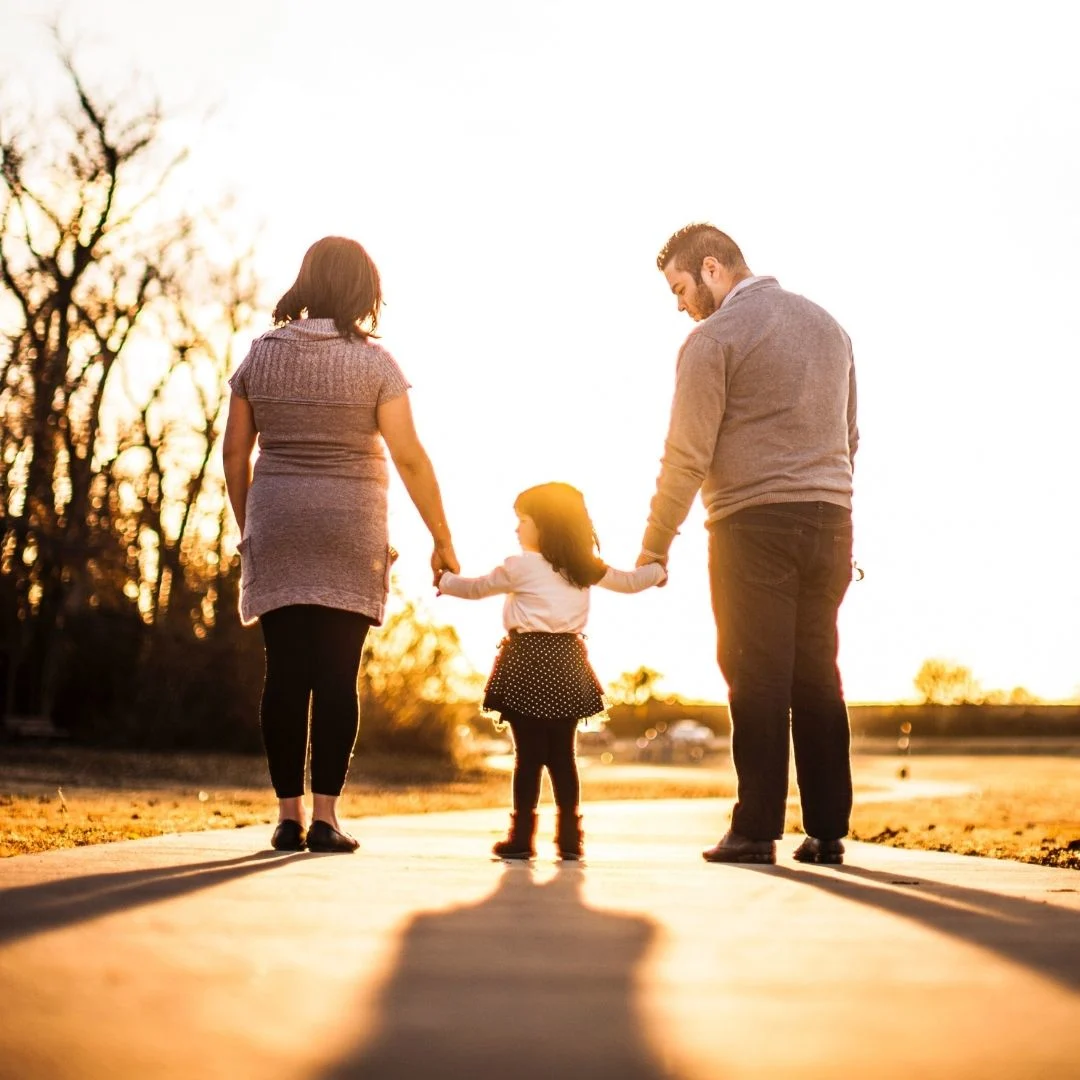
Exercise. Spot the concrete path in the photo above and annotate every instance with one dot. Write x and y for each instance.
(203, 956)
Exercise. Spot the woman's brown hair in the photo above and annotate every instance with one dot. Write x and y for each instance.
(567, 537)
(338, 281)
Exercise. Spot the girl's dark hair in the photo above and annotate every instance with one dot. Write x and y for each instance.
(338, 281)
(567, 537)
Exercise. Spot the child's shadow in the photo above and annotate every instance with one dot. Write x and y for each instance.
(51, 905)
(529, 983)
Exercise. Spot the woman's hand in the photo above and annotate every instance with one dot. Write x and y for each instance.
(442, 559)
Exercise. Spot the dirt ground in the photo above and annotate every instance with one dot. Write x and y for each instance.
(1019, 806)
(1014, 806)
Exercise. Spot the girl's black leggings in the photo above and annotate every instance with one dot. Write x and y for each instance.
(312, 658)
(539, 743)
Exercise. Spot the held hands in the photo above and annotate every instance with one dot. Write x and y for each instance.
(443, 559)
(647, 557)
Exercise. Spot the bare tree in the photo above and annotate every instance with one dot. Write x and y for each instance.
(167, 453)
(105, 485)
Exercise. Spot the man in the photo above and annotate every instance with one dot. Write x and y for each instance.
(763, 424)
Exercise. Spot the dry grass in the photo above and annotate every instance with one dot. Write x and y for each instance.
(69, 797)
(1022, 806)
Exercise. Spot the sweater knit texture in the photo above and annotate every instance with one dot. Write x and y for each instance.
(763, 412)
(316, 530)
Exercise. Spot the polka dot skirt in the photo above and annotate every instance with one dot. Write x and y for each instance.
(543, 675)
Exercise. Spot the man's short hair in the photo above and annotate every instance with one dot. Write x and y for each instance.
(689, 246)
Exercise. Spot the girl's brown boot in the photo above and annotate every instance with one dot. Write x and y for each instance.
(520, 841)
(569, 837)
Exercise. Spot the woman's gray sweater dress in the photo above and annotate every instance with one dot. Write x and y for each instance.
(316, 511)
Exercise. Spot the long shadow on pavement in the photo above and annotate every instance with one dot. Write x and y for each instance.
(529, 983)
(1038, 936)
(26, 910)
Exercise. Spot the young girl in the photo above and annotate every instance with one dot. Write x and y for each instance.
(542, 683)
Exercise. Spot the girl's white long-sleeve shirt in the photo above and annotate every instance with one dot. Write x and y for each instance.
(540, 598)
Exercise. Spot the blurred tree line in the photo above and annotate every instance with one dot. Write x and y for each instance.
(118, 578)
(945, 682)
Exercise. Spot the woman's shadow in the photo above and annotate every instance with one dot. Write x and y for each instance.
(529, 983)
(26, 910)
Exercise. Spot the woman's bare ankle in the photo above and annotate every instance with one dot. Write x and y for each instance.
(292, 810)
(325, 809)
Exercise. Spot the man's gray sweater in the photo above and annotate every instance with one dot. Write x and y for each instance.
(763, 412)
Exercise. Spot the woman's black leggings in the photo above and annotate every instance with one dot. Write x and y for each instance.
(540, 743)
(312, 656)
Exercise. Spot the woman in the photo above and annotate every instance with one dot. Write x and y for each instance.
(315, 561)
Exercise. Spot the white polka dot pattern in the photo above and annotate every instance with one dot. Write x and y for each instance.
(543, 675)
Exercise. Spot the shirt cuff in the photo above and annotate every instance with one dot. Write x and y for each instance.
(660, 573)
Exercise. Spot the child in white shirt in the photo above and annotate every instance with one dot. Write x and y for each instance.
(542, 683)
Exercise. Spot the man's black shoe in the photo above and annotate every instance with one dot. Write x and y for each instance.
(739, 849)
(812, 850)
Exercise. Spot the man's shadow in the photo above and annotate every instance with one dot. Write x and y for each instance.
(1042, 937)
(529, 983)
(26, 910)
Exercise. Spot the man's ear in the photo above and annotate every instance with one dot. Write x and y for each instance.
(710, 267)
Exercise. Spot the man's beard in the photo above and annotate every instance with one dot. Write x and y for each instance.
(704, 301)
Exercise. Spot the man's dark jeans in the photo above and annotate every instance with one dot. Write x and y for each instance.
(778, 574)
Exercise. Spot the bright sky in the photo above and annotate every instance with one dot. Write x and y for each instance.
(513, 170)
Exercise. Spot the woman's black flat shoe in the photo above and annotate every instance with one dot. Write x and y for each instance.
(322, 836)
(288, 836)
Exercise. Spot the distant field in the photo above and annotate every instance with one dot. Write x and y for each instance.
(1016, 806)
